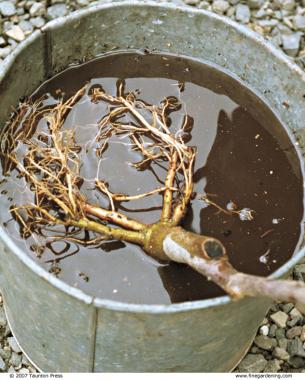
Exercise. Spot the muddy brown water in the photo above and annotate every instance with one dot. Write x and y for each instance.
(244, 156)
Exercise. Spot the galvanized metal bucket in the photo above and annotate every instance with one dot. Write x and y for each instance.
(59, 327)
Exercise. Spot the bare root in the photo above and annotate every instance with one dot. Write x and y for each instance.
(50, 165)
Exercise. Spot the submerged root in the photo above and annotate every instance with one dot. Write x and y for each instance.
(244, 213)
(50, 165)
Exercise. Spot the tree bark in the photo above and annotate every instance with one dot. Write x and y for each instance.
(208, 256)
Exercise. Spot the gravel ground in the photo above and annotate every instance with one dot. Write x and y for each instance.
(280, 342)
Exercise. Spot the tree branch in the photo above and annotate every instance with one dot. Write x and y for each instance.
(191, 249)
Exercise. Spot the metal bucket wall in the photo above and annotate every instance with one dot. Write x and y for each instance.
(59, 327)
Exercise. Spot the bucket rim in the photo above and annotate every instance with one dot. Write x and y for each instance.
(124, 306)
